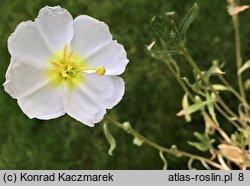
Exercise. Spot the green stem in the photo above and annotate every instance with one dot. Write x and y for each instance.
(178, 78)
(159, 147)
(239, 59)
(226, 116)
(184, 87)
(197, 69)
(238, 53)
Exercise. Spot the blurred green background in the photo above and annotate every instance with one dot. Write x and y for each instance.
(152, 96)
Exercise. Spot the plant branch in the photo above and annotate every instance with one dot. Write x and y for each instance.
(190, 60)
(184, 87)
(239, 59)
(159, 147)
(178, 78)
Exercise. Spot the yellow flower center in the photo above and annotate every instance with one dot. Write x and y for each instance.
(68, 67)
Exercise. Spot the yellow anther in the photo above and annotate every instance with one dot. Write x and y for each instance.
(100, 70)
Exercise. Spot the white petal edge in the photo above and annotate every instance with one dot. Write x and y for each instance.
(44, 104)
(106, 90)
(93, 40)
(88, 106)
(83, 109)
(89, 35)
(56, 26)
(26, 41)
(112, 56)
(23, 77)
(36, 97)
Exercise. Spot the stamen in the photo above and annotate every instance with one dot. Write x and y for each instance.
(65, 52)
(70, 54)
(100, 70)
(70, 66)
(54, 68)
(74, 61)
(57, 63)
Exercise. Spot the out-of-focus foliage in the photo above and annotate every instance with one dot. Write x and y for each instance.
(152, 96)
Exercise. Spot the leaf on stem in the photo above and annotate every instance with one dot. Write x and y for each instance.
(150, 46)
(220, 87)
(185, 105)
(193, 108)
(241, 137)
(110, 139)
(242, 115)
(234, 10)
(190, 164)
(167, 34)
(210, 108)
(165, 166)
(205, 165)
(211, 126)
(215, 70)
(244, 67)
(196, 87)
(187, 20)
(204, 143)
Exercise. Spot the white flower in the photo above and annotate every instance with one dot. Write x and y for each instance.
(60, 65)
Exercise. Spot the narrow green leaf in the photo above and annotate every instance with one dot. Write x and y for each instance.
(190, 164)
(110, 139)
(205, 165)
(187, 20)
(185, 105)
(220, 87)
(193, 108)
(150, 46)
(199, 146)
(166, 32)
(244, 67)
(204, 143)
(210, 125)
(196, 87)
(211, 110)
(187, 82)
(215, 70)
(165, 166)
(240, 138)
(198, 136)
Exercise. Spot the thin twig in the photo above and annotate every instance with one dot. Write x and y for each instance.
(159, 147)
(195, 67)
(239, 60)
